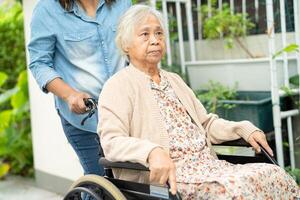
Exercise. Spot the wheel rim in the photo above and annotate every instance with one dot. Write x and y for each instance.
(95, 191)
(76, 194)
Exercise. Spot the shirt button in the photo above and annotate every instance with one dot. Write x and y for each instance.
(102, 42)
(105, 59)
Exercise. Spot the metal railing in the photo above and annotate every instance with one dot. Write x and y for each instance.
(278, 115)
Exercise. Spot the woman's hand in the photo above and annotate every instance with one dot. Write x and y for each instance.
(259, 137)
(76, 103)
(162, 168)
(73, 98)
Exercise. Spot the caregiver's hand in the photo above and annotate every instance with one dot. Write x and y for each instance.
(162, 168)
(76, 103)
(73, 98)
(259, 137)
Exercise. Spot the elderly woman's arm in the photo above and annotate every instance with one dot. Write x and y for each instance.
(221, 130)
(115, 110)
(218, 130)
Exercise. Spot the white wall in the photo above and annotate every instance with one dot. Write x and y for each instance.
(250, 74)
(210, 50)
(52, 152)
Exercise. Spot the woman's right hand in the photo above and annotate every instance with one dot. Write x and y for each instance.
(73, 98)
(162, 168)
(76, 103)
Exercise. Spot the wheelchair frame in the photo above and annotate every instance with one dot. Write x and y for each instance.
(109, 188)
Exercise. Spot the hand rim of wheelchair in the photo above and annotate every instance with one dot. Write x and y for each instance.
(103, 185)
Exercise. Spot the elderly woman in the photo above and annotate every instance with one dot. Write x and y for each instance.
(150, 116)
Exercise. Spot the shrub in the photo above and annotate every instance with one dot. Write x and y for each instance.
(214, 93)
(15, 138)
(231, 26)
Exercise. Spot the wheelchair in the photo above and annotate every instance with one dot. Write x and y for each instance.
(110, 188)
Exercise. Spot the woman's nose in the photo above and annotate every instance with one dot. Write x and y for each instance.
(153, 40)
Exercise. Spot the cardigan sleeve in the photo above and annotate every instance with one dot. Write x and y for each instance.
(115, 111)
(219, 130)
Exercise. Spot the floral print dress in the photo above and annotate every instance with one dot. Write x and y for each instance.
(200, 175)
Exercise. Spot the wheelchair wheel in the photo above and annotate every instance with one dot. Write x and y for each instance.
(97, 187)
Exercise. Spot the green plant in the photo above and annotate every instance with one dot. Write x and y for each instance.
(12, 51)
(294, 80)
(4, 168)
(294, 99)
(15, 138)
(215, 92)
(295, 173)
(288, 49)
(223, 23)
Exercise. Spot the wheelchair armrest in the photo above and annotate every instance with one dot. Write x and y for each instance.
(122, 165)
(242, 143)
(238, 142)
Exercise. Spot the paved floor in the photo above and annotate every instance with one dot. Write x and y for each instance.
(18, 188)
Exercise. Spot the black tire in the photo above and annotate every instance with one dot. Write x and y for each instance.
(96, 183)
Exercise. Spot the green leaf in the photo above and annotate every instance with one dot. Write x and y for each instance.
(4, 168)
(5, 119)
(15, 137)
(3, 78)
(215, 92)
(18, 112)
(288, 49)
(285, 144)
(22, 81)
(278, 53)
(294, 80)
(7, 95)
(19, 99)
(291, 48)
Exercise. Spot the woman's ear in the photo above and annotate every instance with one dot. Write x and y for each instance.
(126, 49)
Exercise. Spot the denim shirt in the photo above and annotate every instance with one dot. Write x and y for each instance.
(76, 48)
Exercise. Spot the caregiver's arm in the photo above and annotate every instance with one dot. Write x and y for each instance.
(73, 98)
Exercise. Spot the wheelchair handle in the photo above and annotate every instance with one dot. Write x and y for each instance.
(90, 103)
(91, 107)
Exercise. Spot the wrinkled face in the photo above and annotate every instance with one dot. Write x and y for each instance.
(148, 43)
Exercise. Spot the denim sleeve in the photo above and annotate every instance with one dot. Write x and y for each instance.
(42, 48)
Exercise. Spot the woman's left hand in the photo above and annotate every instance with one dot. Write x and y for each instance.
(259, 137)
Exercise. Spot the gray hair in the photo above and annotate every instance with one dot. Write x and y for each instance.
(130, 20)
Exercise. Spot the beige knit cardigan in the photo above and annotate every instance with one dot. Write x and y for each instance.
(130, 123)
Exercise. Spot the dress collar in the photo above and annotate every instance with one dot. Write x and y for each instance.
(142, 75)
(162, 86)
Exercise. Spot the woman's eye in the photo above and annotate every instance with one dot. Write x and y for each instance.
(145, 34)
(159, 34)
